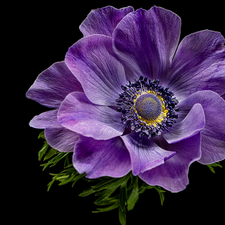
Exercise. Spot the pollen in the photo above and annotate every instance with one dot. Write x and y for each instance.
(150, 108)
(147, 108)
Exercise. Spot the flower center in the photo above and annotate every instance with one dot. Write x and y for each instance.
(146, 107)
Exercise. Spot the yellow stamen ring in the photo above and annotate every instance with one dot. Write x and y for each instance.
(161, 116)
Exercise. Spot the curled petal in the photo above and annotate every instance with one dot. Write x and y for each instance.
(213, 141)
(192, 124)
(101, 158)
(144, 153)
(173, 174)
(103, 20)
(78, 114)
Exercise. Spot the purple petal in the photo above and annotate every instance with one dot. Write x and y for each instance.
(57, 136)
(44, 120)
(213, 134)
(61, 138)
(199, 64)
(146, 41)
(173, 174)
(192, 124)
(144, 153)
(53, 85)
(101, 158)
(78, 114)
(103, 20)
(93, 62)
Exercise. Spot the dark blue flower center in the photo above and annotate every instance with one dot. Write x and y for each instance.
(148, 106)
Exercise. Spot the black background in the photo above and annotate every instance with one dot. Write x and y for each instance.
(39, 34)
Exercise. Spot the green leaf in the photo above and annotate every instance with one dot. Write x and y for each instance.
(144, 186)
(50, 185)
(87, 192)
(69, 175)
(53, 156)
(104, 196)
(78, 177)
(123, 195)
(70, 178)
(43, 151)
(132, 199)
(52, 162)
(108, 183)
(122, 216)
(41, 135)
(109, 208)
(211, 166)
(161, 194)
(50, 153)
(67, 162)
(104, 184)
(134, 196)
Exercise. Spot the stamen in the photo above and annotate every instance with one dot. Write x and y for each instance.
(146, 107)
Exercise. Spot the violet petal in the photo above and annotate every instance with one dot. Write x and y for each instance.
(57, 136)
(173, 174)
(45, 119)
(103, 20)
(213, 134)
(144, 153)
(101, 158)
(78, 114)
(61, 138)
(95, 65)
(146, 41)
(199, 64)
(53, 85)
(192, 124)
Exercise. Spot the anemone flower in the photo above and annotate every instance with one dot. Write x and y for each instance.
(130, 97)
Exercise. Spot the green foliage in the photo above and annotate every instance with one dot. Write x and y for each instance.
(158, 189)
(119, 193)
(53, 157)
(68, 175)
(111, 193)
(212, 166)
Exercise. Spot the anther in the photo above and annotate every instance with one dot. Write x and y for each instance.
(146, 107)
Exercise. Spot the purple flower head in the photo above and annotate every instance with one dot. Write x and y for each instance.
(130, 97)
